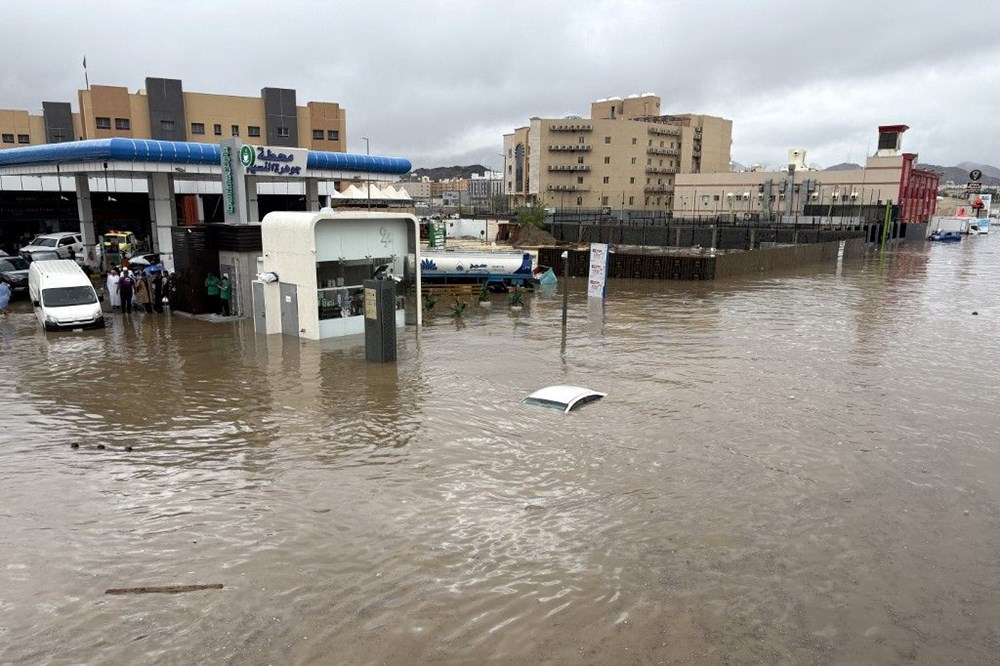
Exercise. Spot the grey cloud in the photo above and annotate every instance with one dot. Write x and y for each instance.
(431, 80)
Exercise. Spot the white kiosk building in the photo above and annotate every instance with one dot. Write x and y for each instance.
(310, 276)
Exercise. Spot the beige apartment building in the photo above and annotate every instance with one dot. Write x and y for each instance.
(625, 156)
(164, 111)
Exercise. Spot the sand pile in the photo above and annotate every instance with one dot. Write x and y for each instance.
(532, 236)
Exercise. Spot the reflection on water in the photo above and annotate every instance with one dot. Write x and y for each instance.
(794, 467)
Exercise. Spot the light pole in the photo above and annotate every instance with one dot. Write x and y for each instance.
(503, 184)
(368, 180)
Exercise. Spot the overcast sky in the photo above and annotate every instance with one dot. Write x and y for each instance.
(440, 82)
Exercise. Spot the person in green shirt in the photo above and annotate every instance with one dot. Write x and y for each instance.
(226, 294)
(212, 288)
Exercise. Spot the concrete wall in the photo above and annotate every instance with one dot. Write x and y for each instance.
(280, 115)
(742, 263)
(165, 99)
(58, 122)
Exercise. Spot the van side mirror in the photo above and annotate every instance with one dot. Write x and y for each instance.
(36, 304)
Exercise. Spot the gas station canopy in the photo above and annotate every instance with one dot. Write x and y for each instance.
(183, 158)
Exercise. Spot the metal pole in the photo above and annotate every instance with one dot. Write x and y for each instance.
(368, 180)
(565, 257)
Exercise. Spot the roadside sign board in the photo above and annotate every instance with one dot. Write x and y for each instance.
(597, 283)
(974, 187)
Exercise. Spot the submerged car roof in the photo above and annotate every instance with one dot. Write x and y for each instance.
(563, 396)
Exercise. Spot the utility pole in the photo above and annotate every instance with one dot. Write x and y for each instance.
(368, 180)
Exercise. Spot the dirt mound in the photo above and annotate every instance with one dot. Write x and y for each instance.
(532, 236)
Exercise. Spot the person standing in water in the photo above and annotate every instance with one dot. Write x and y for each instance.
(226, 294)
(5, 293)
(212, 289)
(126, 287)
(114, 300)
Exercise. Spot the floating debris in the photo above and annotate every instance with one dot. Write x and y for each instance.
(164, 589)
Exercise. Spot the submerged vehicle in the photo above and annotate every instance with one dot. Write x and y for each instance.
(563, 397)
(945, 236)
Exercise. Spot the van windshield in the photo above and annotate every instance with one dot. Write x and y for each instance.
(58, 297)
(44, 242)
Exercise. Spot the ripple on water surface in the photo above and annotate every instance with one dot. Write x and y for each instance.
(778, 461)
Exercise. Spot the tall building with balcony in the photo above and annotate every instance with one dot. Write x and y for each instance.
(625, 156)
(163, 110)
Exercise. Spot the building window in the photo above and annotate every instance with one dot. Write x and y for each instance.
(123, 124)
(168, 125)
(58, 136)
(634, 142)
(23, 138)
(579, 180)
(607, 179)
(607, 160)
(633, 160)
(580, 140)
(217, 128)
(8, 138)
(333, 135)
(604, 201)
(283, 132)
(235, 130)
(318, 135)
(631, 201)
(253, 130)
(607, 139)
(631, 181)
(103, 122)
(579, 201)
(579, 160)
(197, 128)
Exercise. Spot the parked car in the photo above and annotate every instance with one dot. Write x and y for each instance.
(15, 271)
(144, 259)
(60, 243)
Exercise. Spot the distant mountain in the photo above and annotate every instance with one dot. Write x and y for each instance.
(843, 166)
(987, 170)
(445, 173)
(960, 174)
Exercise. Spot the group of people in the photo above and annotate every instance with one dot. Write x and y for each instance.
(220, 293)
(128, 290)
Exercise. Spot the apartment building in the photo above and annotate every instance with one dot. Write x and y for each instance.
(163, 110)
(624, 156)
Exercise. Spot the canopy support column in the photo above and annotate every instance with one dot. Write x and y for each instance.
(253, 206)
(164, 214)
(86, 213)
(312, 195)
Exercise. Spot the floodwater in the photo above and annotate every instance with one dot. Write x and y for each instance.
(800, 467)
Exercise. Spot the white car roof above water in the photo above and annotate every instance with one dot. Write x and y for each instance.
(562, 396)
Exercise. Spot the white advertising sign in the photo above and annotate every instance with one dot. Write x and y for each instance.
(597, 284)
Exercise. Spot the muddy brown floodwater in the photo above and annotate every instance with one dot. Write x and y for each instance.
(791, 468)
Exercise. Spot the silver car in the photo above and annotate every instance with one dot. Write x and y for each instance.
(15, 271)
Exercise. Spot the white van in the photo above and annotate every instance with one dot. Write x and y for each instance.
(63, 296)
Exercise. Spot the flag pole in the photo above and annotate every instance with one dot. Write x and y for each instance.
(83, 111)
